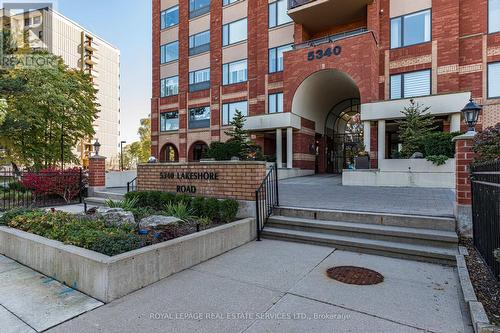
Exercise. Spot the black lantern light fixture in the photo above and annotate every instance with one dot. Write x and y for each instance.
(471, 115)
(97, 147)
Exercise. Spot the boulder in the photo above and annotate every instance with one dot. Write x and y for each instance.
(417, 156)
(158, 221)
(116, 216)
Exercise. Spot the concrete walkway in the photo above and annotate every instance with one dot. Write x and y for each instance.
(274, 286)
(327, 192)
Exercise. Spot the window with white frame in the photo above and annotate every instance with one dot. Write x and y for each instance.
(169, 52)
(411, 29)
(494, 80)
(234, 72)
(275, 102)
(493, 16)
(169, 121)
(199, 43)
(229, 111)
(170, 17)
(411, 84)
(278, 13)
(234, 32)
(276, 57)
(199, 80)
(169, 86)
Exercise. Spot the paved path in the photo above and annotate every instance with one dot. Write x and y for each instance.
(327, 192)
(274, 286)
(31, 302)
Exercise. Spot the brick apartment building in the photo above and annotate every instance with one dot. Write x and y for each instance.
(318, 79)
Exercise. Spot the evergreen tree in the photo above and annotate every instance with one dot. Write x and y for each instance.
(236, 131)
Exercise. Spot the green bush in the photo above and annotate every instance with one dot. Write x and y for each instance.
(142, 212)
(211, 209)
(228, 210)
(224, 151)
(11, 214)
(438, 143)
(181, 210)
(487, 144)
(127, 204)
(198, 205)
(151, 199)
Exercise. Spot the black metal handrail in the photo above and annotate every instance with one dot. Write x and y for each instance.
(330, 39)
(132, 185)
(485, 191)
(266, 198)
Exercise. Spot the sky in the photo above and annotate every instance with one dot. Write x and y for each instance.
(127, 25)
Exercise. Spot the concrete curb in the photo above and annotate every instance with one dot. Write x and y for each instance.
(478, 316)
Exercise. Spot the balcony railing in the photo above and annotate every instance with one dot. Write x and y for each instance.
(330, 39)
(297, 3)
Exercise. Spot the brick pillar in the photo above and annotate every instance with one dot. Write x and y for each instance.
(463, 158)
(97, 171)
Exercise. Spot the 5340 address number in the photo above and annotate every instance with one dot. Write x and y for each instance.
(321, 53)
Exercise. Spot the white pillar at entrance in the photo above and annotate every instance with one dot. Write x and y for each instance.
(366, 135)
(289, 147)
(455, 121)
(279, 147)
(381, 140)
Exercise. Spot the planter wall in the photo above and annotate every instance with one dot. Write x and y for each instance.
(107, 278)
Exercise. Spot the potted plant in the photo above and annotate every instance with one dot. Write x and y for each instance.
(362, 159)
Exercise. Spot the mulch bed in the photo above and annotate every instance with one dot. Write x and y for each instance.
(485, 285)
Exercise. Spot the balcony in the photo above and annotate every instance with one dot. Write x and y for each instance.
(319, 15)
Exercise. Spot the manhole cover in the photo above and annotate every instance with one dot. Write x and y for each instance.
(355, 275)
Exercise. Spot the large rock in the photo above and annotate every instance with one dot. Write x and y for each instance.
(116, 216)
(158, 221)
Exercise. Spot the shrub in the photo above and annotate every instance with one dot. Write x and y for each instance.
(127, 204)
(225, 151)
(487, 144)
(438, 143)
(228, 210)
(142, 212)
(211, 209)
(151, 199)
(180, 210)
(11, 214)
(198, 205)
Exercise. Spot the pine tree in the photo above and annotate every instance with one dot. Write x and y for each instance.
(236, 131)
(414, 127)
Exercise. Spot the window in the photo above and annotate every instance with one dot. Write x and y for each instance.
(411, 29)
(198, 7)
(228, 2)
(276, 58)
(275, 103)
(199, 80)
(493, 16)
(234, 72)
(37, 20)
(234, 32)
(169, 52)
(169, 86)
(169, 121)
(278, 13)
(199, 43)
(229, 111)
(494, 80)
(411, 84)
(199, 117)
(170, 17)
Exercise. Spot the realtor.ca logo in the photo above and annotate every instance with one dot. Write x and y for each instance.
(26, 34)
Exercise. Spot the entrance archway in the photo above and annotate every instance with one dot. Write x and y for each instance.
(169, 154)
(198, 151)
(330, 98)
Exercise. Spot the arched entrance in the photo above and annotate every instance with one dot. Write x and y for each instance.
(198, 151)
(330, 98)
(169, 154)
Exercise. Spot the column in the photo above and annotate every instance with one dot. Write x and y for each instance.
(279, 147)
(381, 141)
(366, 135)
(97, 171)
(289, 148)
(455, 121)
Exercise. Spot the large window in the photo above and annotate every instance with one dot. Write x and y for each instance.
(494, 80)
(234, 32)
(227, 2)
(229, 111)
(199, 117)
(199, 80)
(234, 72)
(493, 16)
(275, 103)
(169, 121)
(199, 43)
(169, 86)
(278, 13)
(198, 7)
(276, 58)
(170, 17)
(169, 52)
(412, 84)
(411, 29)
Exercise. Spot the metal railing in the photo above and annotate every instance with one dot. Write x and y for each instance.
(330, 39)
(266, 198)
(132, 185)
(297, 3)
(485, 190)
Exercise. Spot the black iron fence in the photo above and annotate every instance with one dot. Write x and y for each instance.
(266, 198)
(485, 187)
(46, 188)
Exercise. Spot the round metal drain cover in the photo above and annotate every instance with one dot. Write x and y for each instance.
(355, 275)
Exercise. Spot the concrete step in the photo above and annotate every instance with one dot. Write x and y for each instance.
(438, 238)
(95, 202)
(380, 247)
(109, 194)
(395, 220)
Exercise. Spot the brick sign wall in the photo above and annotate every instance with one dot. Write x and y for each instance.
(237, 180)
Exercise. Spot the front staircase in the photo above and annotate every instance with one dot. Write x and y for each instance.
(423, 238)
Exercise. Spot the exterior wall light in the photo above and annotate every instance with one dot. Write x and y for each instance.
(97, 147)
(471, 115)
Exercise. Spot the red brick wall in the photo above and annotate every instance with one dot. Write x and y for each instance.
(463, 158)
(97, 171)
(237, 180)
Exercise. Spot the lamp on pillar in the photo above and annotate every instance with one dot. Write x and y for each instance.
(97, 147)
(471, 115)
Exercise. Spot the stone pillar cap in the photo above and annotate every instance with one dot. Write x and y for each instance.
(466, 136)
(97, 157)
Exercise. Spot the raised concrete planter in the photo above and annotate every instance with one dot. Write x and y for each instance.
(404, 173)
(108, 278)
